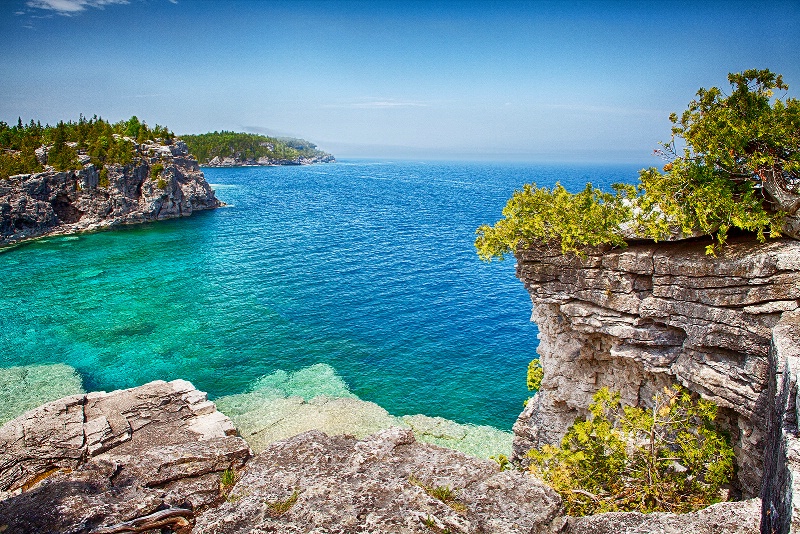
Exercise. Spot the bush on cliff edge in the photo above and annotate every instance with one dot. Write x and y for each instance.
(739, 167)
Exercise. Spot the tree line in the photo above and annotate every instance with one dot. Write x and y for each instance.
(105, 143)
(247, 146)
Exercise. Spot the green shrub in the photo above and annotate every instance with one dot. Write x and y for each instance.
(668, 458)
(535, 375)
(557, 219)
(156, 170)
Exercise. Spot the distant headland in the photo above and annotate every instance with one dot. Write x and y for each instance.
(92, 174)
(232, 149)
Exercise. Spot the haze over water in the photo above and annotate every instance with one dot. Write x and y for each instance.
(366, 266)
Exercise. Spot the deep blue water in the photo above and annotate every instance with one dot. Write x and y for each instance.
(366, 266)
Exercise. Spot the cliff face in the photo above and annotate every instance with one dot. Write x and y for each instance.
(45, 203)
(640, 318)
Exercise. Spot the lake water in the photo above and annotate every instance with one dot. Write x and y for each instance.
(366, 266)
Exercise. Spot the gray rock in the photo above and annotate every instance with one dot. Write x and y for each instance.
(722, 518)
(33, 205)
(99, 459)
(152, 457)
(340, 484)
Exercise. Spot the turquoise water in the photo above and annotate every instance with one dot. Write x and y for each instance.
(365, 266)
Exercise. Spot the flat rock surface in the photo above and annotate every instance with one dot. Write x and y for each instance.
(387, 483)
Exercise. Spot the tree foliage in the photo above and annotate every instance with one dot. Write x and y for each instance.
(734, 162)
(669, 457)
(105, 143)
(246, 146)
(557, 218)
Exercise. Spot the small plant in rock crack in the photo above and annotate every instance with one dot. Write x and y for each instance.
(446, 494)
(279, 507)
(434, 527)
(226, 481)
(503, 461)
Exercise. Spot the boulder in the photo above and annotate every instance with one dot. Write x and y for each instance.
(92, 461)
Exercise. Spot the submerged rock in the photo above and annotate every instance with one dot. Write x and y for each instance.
(23, 388)
(281, 405)
(271, 419)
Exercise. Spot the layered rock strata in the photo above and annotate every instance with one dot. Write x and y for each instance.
(649, 315)
(94, 461)
(33, 205)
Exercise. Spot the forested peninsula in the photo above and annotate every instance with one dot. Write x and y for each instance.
(92, 174)
(232, 149)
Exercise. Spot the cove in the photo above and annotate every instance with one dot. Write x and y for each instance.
(365, 266)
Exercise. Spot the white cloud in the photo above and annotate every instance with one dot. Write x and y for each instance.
(71, 7)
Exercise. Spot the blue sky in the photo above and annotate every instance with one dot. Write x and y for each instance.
(589, 81)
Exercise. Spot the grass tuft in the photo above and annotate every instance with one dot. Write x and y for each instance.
(280, 507)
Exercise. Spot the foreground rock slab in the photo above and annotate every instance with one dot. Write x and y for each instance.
(153, 458)
(387, 483)
(88, 462)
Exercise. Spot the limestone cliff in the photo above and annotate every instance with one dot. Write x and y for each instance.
(638, 318)
(33, 205)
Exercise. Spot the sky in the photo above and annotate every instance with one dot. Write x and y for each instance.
(489, 80)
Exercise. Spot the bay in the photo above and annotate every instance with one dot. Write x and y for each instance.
(366, 266)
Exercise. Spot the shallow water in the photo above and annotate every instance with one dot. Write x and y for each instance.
(366, 266)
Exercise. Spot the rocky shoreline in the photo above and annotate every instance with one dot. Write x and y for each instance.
(160, 456)
(267, 162)
(163, 182)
